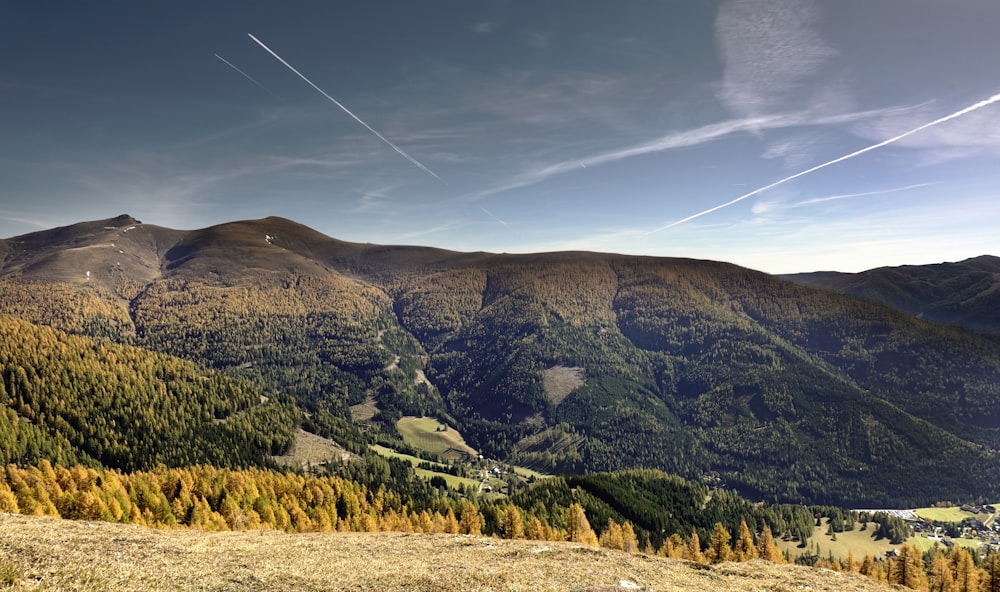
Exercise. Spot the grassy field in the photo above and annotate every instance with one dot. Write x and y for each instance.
(453, 481)
(946, 514)
(528, 473)
(859, 542)
(427, 433)
(44, 554)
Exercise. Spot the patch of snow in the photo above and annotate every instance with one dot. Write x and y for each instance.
(629, 585)
(269, 239)
(88, 275)
(129, 228)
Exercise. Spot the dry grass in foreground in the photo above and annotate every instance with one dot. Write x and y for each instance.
(52, 554)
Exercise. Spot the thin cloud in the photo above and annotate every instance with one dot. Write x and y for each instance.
(816, 200)
(769, 47)
(399, 150)
(491, 215)
(247, 76)
(682, 139)
(961, 112)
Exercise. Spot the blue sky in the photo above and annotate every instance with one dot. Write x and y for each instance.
(517, 126)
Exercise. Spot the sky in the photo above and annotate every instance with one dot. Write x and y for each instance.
(677, 128)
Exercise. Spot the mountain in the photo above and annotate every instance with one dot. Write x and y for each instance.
(966, 293)
(566, 362)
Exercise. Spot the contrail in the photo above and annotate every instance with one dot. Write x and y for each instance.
(954, 115)
(346, 110)
(490, 214)
(245, 75)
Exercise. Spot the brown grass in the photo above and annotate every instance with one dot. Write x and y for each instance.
(50, 554)
(560, 381)
(312, 449)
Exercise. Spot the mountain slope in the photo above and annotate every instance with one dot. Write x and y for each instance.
(73, 400)
(63, 555)
(699, 368)
(966, 293)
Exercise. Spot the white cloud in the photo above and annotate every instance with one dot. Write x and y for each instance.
(769, 48)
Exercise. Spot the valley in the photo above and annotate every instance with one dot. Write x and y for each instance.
(259, 373)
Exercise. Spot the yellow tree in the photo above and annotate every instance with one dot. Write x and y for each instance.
(630, 543)
(907, 568)
(536, 531)
(963, 570)
(694, 549)
(578, 528)
(989, 580)
(450, 522)
(718, 546)
(745, 549)
(513, 523)
(612, 537)
(941, 579)
(851, 563)
(471, 521)
(767, 549)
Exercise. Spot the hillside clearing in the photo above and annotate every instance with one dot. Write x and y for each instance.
(560, 381)
(453, 481)
(430, 435)
(859, 542)
(313, 450)
(51, 554)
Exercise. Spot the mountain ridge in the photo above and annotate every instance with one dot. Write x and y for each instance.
(964, 293)
(783, 390)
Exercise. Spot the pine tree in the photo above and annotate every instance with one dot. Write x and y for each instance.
(963, 569)
(611, 537)
(536, 531)
(745, 549)
(718, 547)
(767, 549)
(578, 529)
(471, 521)
(907, 569)
(990, 574)
(941, 579)
(513, 524)
(694, 549)
(629, 541)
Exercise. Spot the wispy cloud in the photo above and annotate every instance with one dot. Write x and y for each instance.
(769, 48)
(816, 200)
(941, 120)
(682, 139)
(491, 215)
(399, 150)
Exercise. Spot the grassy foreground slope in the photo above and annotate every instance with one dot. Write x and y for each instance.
(48, 554)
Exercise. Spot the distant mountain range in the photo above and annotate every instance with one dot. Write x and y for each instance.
(567, 362)
(966, 293)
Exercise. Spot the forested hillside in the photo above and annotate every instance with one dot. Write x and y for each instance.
(964, 293)
(73, 400)
(565, 362)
